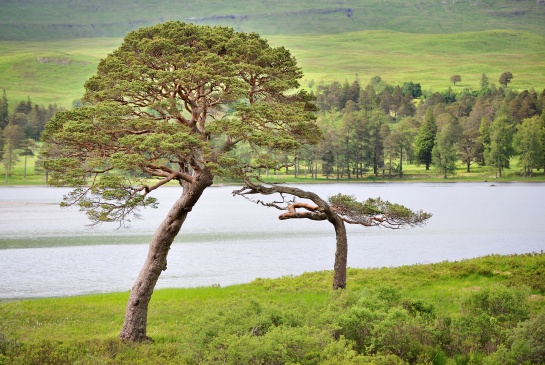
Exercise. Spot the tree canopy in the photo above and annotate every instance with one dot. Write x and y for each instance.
(174, 103)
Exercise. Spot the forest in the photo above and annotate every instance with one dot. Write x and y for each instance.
(377, 128)
(374, 130)
(20, 132)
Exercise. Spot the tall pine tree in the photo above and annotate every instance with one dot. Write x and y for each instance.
(425, 140)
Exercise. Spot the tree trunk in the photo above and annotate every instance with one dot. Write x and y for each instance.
(341, 254)
(134, 327)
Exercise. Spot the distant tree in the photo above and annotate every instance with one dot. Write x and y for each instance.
(484, 139)
(505, 78)
(425, 140)
(378, 131)
(407, 109)
(455, 78)
(340, 209)
(444, 152)
(523, 106)
(18, 118)
(27, 147)
(501, 144)
(397, 100)
(528, 141)
(401, 140)
(24, 107)
(414, 89)
(4, 112)
(468, 144)
(368, 98)
(484, 81)
(449, 96)
(13, 135)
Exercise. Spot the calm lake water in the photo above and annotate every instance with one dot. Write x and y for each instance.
(48, 251)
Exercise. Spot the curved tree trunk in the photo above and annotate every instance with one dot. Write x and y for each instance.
(341, 254)
(134, 327)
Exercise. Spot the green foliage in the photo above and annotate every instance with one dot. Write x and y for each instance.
(528, 140)
(504, 304)
(501, 147)
(173, 103)
(464, 312)
(425, 140)
(375, 211)
(505, 78)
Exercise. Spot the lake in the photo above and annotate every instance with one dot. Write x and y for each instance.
(48, 251)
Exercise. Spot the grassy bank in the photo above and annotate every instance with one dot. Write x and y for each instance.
(445, 313)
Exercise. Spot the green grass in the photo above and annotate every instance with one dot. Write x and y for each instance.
(428, 59)
(204, 325)
(59, 77)
(397, 57)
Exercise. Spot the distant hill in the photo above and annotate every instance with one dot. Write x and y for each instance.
(38, 20)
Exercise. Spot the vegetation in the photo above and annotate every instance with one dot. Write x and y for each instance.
(338, 210)
(488, 310)
(175, 103)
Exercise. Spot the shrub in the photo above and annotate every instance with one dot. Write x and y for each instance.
(507, 305)
(402, 335)
(528, 341)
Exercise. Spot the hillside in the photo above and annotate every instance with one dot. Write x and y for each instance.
(69, 19)
(48, 48)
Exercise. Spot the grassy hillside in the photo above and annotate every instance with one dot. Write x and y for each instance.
(429, 59)
(50, 72)
(54, 72)
(48, 48)
(445, 313)
(64, 19)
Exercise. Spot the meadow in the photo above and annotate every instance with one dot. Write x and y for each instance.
(55, 71)
(444, 313)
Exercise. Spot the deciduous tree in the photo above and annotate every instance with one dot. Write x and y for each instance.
(444, 151)
(13, 135)
(501, 144)
(505, 78)
(172, 104)
(455, 78)
(528, 141)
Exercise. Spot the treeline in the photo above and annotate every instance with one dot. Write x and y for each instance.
(380, 127)
(20, 130)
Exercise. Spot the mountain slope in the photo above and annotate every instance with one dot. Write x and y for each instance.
(68, 19)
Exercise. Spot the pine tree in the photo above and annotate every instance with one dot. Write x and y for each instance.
(425, 140)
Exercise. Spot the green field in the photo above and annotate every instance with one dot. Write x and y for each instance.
(294, 319)
(54, 72)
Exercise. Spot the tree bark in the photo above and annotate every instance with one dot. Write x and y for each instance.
(341, 253)
(135, 324)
